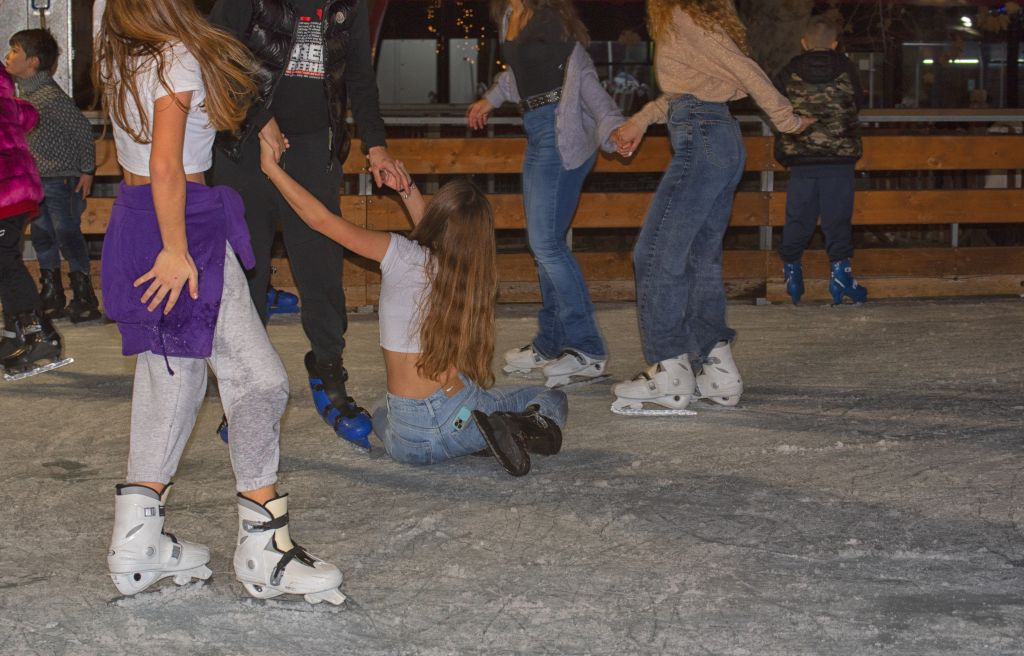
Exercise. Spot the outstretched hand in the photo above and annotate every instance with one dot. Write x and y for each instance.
(170, 273)
(270, 153)
(805, 122)
(387, 171)
(627, 138)
(478, 113)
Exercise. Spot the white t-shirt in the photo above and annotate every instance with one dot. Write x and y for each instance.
(182, 74)
(402, 289)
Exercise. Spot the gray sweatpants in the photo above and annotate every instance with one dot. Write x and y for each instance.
(253, 388)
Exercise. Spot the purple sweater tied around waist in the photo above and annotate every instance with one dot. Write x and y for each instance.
(214, 217)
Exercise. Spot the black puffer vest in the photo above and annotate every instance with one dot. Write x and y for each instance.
(270, 37)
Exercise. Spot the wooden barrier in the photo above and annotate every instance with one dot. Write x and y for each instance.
(902, 272)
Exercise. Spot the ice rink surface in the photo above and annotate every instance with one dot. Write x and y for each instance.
(866, 497)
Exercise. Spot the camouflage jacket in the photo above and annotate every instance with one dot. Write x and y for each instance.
(823, 84)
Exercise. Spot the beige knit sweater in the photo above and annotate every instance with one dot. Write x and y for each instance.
(691, 60)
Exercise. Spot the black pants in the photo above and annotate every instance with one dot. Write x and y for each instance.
(316, 261)
(18, 292)
(826, 191)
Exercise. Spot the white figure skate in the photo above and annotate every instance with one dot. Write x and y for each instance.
(524, 361)
(269, 564)
(140, 552)
(719, 379)
(573, 368)
(669, 384)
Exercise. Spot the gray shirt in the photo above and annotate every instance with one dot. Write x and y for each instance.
(62, 143)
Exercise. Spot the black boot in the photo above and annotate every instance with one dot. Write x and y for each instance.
(537, 433)
(41, 342)
(84, 305)
(500, 434)
(52, 293)
(12, 338)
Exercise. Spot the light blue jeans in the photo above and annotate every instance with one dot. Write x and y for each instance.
(678, 255)
(438, 428)
(550, 197)
(59, 226)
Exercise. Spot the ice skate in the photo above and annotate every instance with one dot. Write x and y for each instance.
(39, 350)
(794, 273)
(669, 384)
(269, 564)
(12, 337)
(84, 305)
(338, 409)
(222, 429)
(500, 433)
(525, 361)
(51, 291)
(140, 552)
(719, 379)
(281, 302)
(574, 368)
(843, 284)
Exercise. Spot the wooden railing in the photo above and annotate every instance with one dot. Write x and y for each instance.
(888, 272)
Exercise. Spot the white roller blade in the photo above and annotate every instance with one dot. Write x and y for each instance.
(719, 379)
(574, 368)
(669, 384)
(35, 371)
(141, 553)
(524, 361)
(269, 564)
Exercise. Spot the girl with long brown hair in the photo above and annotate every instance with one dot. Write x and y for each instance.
(437, 297)
(567, 116)
(168, 81)
(702, 62)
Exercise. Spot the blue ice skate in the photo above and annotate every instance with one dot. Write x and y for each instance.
(794, 273)
(222, 429)
(843, 284)
(337, 408)
(281, 302)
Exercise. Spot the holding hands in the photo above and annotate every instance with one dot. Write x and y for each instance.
(627, 138)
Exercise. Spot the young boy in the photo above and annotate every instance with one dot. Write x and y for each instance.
(825, 84)
(62, 145)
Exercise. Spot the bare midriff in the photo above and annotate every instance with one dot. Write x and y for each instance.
(135, 180)
(404, 380)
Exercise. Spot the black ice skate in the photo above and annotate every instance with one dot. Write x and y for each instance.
(84, 305)
(40, 349)
(11, 338)
(501, 436)
(51, 289)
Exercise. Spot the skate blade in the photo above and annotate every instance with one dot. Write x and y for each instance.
(193, 580)
(576, 382)
(652, 412)
(38, 370)
(531, 374)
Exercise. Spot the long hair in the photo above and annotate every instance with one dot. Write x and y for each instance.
(137, 34)
(708, 14)
(457, 315)
(572, 26)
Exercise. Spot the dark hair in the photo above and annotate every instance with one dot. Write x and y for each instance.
(38, 43)
(572, 26)
(821, 31)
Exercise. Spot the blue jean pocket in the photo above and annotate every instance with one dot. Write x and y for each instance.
(723, 145)
(404, 450)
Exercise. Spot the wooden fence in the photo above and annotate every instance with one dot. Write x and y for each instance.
(888, 272)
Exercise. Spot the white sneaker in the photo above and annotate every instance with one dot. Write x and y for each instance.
(669, 383)
(719, 379)
(574, 367)
(524, 361)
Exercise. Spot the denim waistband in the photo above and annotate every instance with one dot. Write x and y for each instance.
(431, 403)
(688, 102)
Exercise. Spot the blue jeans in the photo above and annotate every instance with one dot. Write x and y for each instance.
(678, 255)
(438, 428)
(550, 197)
(59, 226)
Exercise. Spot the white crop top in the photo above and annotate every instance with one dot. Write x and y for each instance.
(182, 74)
(402, 289)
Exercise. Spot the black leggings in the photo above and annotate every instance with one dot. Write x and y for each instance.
(18, 293)
(315, 260)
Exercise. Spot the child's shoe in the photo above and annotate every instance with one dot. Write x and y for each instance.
(794, 273)
(281, 302)
(844, 284)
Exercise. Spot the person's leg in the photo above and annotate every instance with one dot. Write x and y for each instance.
(259, 197)
(18, 293)
(43, 230)
(551, 195)
(836, 190)
(65, 213)
(802, 209)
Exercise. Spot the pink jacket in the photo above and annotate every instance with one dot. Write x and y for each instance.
(20, 187)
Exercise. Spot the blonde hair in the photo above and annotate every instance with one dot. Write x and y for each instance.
(708, 14)
(457, 316)
(136, 34)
